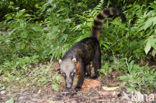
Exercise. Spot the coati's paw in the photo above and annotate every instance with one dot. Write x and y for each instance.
(77, 88)
(95, 77)
(87, 75)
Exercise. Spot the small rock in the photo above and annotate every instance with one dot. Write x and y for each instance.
(73, 101)
(93, 94)
(3, 92)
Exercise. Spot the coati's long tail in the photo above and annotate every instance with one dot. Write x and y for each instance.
(110, 12)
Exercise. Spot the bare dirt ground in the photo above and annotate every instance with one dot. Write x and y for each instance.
(92, 95)
(102, 90)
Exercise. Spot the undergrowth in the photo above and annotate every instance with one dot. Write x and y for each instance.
(38, 76)
(141, 78)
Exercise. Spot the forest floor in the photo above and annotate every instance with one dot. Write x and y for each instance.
(105, 89)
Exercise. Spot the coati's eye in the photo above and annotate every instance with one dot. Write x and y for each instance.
(72, 73)
(64, 74)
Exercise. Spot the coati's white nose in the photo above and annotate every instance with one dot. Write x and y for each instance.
(69, 86)
(68, 82)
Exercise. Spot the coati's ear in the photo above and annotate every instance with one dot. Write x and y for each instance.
(60, 61)
(74, 60)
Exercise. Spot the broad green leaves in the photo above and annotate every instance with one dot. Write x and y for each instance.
(151, 43)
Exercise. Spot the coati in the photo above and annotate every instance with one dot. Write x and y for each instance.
(76, 59)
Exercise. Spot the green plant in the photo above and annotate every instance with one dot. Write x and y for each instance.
(10, 101)
(151, 43)
(117, 64)
(139, 78)
(56, 80)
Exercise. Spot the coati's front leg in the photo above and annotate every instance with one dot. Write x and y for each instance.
(81, 74)
(97, 63)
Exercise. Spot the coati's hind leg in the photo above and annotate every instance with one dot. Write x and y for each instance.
(88, 70)
(81, 74)
(97, 63)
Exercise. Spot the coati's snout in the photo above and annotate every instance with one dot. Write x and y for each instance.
(68, 69)
(69, 82)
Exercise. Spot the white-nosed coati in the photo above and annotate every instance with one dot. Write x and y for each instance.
(85, 51)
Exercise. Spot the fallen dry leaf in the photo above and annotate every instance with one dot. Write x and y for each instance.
(90, 84)
(108, 93)
(39, 92)
(110, 88)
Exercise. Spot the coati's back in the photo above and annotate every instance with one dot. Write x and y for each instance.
(84, 49)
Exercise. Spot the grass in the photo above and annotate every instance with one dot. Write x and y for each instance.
(39, 76)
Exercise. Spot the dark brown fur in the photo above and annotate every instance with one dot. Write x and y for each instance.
(85, 51)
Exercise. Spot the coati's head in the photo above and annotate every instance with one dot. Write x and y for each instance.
(68, 69)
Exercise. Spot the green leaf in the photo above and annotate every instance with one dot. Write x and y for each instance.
(124, 78)
(21, 13)
(55, 87)
(148, 24)
(151, 42)
(130, 66)
(147, 47)
(153, 53)
(10, 101)
(154, 19)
